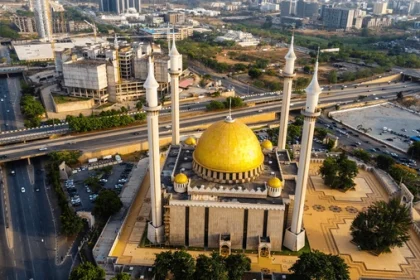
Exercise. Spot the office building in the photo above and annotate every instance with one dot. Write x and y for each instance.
(379, 8)
(337, 18)
(306, 9)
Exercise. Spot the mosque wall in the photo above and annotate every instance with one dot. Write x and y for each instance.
(255, 228)
(290, 213)
(196, 227)
(177, 225)
(275, 229)
(226, 221)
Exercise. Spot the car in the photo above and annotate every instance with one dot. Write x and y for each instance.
(358, 143)
(22, 189)
(88, 190)
(369, 90)
(12, 172)
(37, 189)
(43, 149)
(3, 157)
(259, 111)
(376, 98)
(404, 86)
(2, 100)
(168, 126)
(136, 133)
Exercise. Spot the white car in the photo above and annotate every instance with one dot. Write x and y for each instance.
(43, 149)
(22, 189)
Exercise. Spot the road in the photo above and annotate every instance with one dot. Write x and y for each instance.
(32, 253)
(43, 132)
(112, 138)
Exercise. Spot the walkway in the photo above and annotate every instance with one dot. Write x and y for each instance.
(328, 216)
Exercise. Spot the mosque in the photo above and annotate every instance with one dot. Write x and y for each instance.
(226, 190)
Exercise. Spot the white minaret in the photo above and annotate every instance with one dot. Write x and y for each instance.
(294, 238)
(175, 71)
(288, 75)
(155, 229)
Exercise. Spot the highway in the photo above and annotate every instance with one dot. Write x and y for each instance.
(116, 137)
(44, 132)
(32, 239)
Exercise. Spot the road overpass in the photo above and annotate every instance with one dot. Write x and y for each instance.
(124, 136)
(22, 135)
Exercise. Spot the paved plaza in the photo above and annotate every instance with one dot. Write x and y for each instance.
(375, 118)
(328, 216)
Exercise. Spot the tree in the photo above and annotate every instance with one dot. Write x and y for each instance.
(317, 265)
(402, 173)
(330, 144)
(215, 105)
(237, 265)
(233, 102)
(294, 132)
(162, 265)
(71, 224)
(94, 184)
(382, 227)
(139, 105)
(301, 83)
(362, 154)
(87, 271)
(321, 132)
(32, 109)
(261, 63)
(210, 268)
(254, 73)
(180, 264)
(332, 77)
(70, 157)
(107, 203)
(183, 265)
(384, 162)
(338, 173)
(122, 276)
(298, 120)
(414, 150)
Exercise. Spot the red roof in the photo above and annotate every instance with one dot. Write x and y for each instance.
(186, 83)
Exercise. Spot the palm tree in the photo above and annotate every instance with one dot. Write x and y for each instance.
(382, 227)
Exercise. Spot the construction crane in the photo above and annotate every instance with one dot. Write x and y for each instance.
(93, 27)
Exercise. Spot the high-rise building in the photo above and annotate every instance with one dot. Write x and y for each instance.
(25, 24)
(286, 8)
(379, 8)
(337, 18)
(119, 6)
(306, 9)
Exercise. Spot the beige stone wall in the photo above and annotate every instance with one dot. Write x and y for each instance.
(255, 228)
(177, 225)
(290, 213)
(396, 77)
(275, 229)
(226, 221)
(196, 227)
(73, 106)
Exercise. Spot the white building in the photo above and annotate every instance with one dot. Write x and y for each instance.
(379, 8)
(244, 39)
(269, 7)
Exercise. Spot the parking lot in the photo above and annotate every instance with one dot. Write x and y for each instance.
(83, 187)
(400, 124)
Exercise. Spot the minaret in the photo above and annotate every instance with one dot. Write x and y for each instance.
(288, 75)
(155, 229)
(175, 71)
(294, 238)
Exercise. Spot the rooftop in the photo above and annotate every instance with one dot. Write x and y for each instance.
(179, 160)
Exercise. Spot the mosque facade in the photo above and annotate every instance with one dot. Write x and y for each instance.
(225, 190)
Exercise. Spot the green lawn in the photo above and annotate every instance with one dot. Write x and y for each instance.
(60, 99)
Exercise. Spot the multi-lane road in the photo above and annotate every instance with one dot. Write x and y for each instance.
(117, 137)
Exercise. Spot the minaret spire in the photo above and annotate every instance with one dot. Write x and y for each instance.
(294, 238)
(175, 72)
(115, 41)
(155, 228)
(288, 75)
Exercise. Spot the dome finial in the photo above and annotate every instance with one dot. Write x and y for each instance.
(229, 117)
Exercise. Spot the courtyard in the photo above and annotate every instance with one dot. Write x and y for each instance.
(374, 119)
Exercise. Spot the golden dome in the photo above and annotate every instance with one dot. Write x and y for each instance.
(181, 178)
(274, 182)
(228, 146)
(190, 141)
(266, 144)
